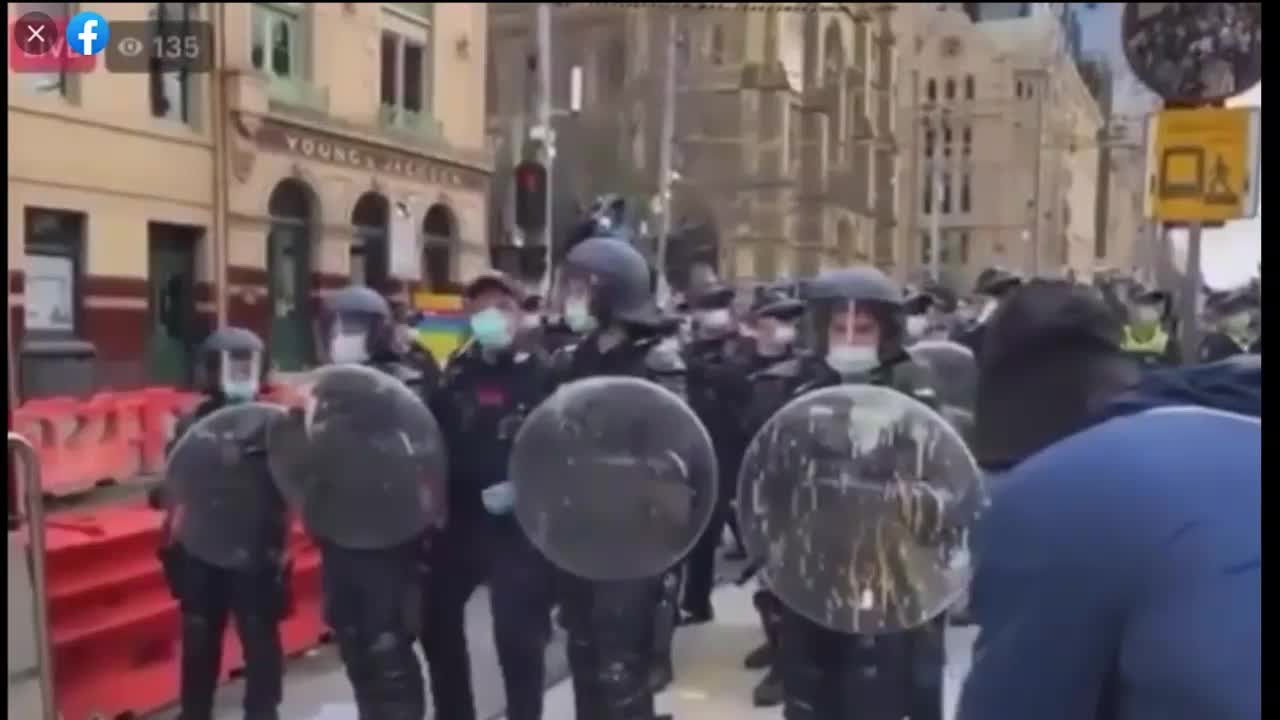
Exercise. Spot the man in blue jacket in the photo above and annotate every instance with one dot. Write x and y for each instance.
(1119, 567)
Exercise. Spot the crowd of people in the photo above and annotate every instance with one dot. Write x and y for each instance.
(1196, 50)
(1117, 569)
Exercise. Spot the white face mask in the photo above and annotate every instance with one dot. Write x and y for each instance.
(852, 359)
(715, 321)
(1146, 315)
(577, 315)
(917, 325)
(531, 321)
(349, 349)
(784, 335)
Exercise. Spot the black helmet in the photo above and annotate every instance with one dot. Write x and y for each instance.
(231, 363)
(714, 297)
(775, 302)
(864, 287)
(494, 280)
(355, 317)
(995, 282)
(619, 279)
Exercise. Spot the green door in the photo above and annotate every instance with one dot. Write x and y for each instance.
(171, 303)
(288, 266)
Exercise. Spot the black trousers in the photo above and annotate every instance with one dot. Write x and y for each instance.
(520, 596)
(700, 567)
(373, 603)
(208, 597)
(828, 675)
(611, 645)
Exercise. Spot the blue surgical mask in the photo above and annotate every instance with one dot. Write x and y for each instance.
(492, 329)
(577, 315)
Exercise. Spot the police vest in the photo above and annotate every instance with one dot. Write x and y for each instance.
(1155, 345)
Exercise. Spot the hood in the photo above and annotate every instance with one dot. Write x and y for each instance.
(1231, 385)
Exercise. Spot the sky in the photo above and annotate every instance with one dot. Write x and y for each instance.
(1230, 255)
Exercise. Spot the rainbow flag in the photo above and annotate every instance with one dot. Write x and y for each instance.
(442, 327)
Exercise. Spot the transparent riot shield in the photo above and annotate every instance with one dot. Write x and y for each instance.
(225, 509)
(857, 500)
(615, 478)
(362, 457)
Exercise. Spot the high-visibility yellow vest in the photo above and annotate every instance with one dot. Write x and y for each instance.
(1155, 345)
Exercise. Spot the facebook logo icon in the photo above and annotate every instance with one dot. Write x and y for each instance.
(87, 33)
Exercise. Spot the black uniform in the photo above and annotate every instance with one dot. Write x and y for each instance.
(208, 595)
(480, 407)
(828, 674)
(993, 284)
(373, 597)
(619, 631)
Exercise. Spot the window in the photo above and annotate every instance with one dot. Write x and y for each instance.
(170, 86)
(951, 89)
(54, 243)
(930, 136)
(970, 87)
(43, 82)
(277, 39)
(926, 247)
(715, 49)
(946, 193)
(964, 246)
(931, 90)
(406, 69)
(946, 141)
(965, 194)
(927, 200)
(966, 137)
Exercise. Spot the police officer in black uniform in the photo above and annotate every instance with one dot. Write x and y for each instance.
(619, 632)
(373, 597)
(993, 286)
(718, 392)
(490, 385)
(855, 329)
(231, 365)
(1231, 336)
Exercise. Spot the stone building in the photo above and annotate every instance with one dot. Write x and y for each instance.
(326, 143)
(1004, 149)
(785, 155)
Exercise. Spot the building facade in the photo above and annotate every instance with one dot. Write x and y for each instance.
(785, 152)
(1005, 136)
(330, 143)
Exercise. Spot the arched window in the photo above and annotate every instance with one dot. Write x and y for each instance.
(951, 89)
(931, 90)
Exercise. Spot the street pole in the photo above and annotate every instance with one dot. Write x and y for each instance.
(1190, 306)
(935, 222)
(1040, 90)
(665, 151)
(545, 59)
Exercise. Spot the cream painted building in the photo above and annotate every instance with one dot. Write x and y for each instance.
(327, 143)
(1003, 150)
(786, 129)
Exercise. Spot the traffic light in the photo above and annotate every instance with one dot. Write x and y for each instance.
(531, 197)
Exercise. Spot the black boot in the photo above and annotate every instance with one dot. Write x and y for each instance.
(768, 693)
(759, 659)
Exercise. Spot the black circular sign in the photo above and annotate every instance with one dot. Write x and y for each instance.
(1194, 53)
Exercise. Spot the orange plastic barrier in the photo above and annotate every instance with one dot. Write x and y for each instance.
(115, 627)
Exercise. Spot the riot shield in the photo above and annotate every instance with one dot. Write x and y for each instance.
(362, 458)
(615, 478)
(856, 500)
(225, 509)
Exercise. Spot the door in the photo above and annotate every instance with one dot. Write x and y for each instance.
(288, 267)
(171, 303)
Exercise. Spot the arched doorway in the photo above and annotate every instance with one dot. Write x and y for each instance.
(292, 208)
(369, 249)
(439, 231)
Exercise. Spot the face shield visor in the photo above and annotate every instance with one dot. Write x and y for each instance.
(240, 374)
(575, 296)
(348, 338)
(847, 333)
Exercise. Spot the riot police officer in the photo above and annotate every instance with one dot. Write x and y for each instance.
(993, 286)
(255, 592)
(1145, 333)
(718, 393)
(619, 632)
(1233, 312)
(373, 597)
(490, 385)
(855, 329)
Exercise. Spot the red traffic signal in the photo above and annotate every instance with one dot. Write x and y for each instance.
(531, 196)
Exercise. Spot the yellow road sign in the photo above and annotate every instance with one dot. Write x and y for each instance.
(1203, 164)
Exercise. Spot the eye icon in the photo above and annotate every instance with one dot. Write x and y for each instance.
(131, 47)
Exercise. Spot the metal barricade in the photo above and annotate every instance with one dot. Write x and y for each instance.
(30, 495)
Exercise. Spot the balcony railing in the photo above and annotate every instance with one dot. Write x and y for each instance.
(411, 124)
(295, 94)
